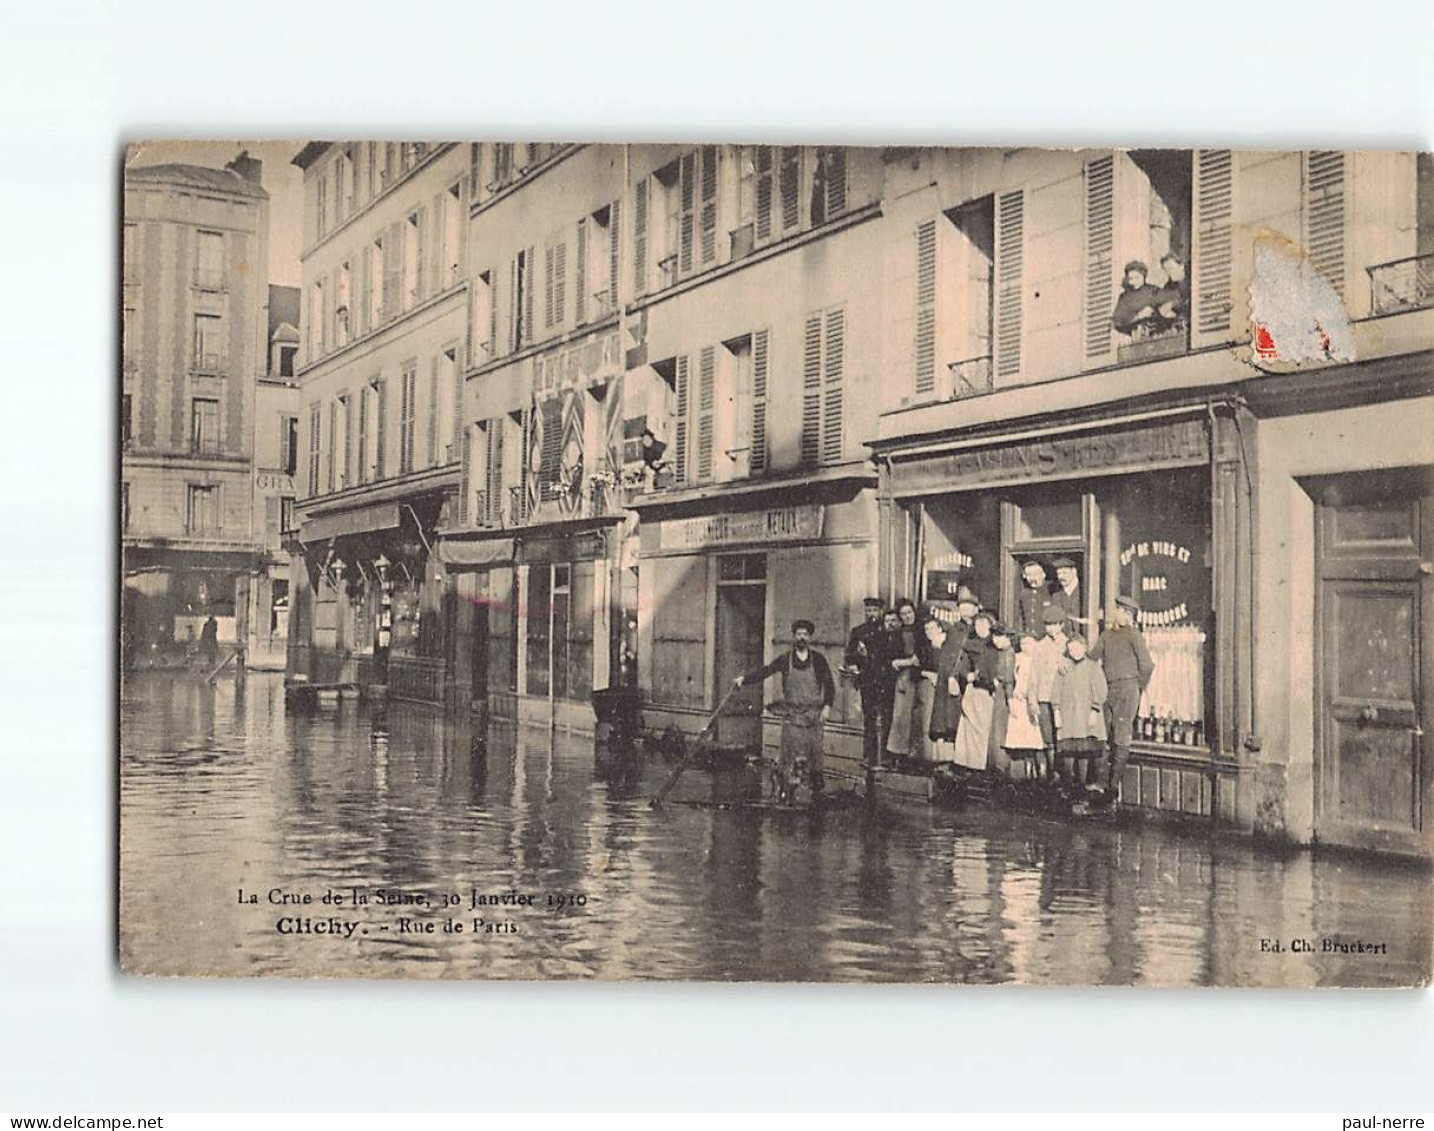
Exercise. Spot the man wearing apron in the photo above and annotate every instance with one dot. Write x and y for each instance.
(808, 692)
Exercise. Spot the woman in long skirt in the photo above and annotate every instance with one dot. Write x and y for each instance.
(946, 702)
(1005, 679)
(976, 670)
(906, 705)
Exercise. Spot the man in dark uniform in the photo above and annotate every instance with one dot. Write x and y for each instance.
(1035, 596)
(1069, 597)
(808, 693)
(1122, 653)
(865, 649)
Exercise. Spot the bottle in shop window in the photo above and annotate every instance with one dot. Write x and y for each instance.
(1198, 735)
(1160, 729)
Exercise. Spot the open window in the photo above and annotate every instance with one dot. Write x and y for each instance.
(1152, 210)
(452, 227)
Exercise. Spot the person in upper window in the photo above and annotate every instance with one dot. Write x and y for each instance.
(1172, 300)
(1135, 308)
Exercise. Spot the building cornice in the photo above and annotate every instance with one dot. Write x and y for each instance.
(425, 482)
(374, 338)
(373, 202)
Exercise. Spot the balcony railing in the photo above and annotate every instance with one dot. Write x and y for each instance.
(1154, 344)
(209, 279)
(970, 377)
(209, 362)
(1404, 284)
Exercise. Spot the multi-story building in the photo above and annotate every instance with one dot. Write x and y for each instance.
(276, 469)
(383, 329)
(1243, 446)
(718, 299)
(195, 252)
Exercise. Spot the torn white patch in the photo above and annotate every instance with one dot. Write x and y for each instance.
(1298, 318)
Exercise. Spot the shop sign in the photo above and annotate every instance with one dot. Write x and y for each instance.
(777, 524)
(1182, 442)
(1156, 561)
(274, 481)
(590, 363)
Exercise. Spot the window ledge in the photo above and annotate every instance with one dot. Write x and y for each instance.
(302, 371)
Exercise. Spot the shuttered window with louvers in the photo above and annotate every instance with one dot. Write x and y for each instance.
(1099, 255)
(380, 428)
(811, 391)
(614, 243)
(758, 456)
(465, 493)
(333, 443)
(687, 197)
(493, 479)
(315, 419)
(679, 436)
(363, 464)
(765, 193)
(406, 419)
(1324, 214)
(833, 392)
(1010, 265)
(549, 278)
(639, 237)
(580, 291)
(1213, 267)
(790, 186)
(708, 216)
(550, 458)
(706, 399)
(432, 413)
(529, 270)
(924, 347)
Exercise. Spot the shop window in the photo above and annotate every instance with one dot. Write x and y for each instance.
(1055, 519)
(1157, 533)
(732, 568)
(960, 548)
(579, 649)
(539, 628)
(502, 634)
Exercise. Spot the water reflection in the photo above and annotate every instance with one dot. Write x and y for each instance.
(221, 790)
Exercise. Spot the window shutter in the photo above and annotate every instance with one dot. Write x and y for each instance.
(435, 243)
(456, 428)
(363, 434)
(358, 316)
(560, 284)
(392, 272)
(833, 420)
(763, 161)
(421, 256)
(706, 398)
(493, 349)
(513, 311)
(1010, 261)
(333, 443)
(790, 187)
(924, 348)
(550, 464)
(465, 491)
(639, 238)
(687, 175)
(348, 476)
(614, 244)
(580, 291)
(1213, 251)
(758, 456)
(679, 439)
(528, 485)
(1099, 255)
(812, 391)
(315, 440)
(1324, 214)
(380, 423)
(530, 260)
(433, 411)
(495, 469)
(549, 279)
(836, 180)
(708, 183)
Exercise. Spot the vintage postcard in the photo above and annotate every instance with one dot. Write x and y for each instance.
(776, 563)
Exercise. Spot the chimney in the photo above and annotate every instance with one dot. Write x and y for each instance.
(246, 167)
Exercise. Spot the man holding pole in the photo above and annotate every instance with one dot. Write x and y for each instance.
(808, 692)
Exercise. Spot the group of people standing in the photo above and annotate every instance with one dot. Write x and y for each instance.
(1030, 701)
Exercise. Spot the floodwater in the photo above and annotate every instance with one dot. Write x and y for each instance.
(225, 798)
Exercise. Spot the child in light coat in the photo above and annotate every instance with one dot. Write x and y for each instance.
(1078, 694)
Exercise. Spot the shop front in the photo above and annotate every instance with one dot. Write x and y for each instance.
(720, 581)
(368, 596)
(1075, 517)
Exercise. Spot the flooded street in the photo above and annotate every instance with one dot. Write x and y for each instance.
(224, 797)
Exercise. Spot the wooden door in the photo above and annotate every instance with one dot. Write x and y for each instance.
(1374, 658)
(741, 616)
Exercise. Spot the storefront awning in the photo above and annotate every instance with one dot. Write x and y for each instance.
(487, 551)
(364, 520)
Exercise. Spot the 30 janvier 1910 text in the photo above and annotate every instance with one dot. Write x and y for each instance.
(393, 897)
